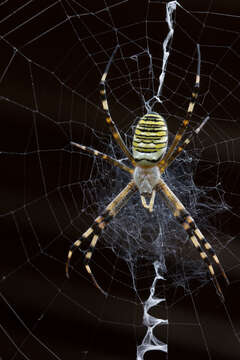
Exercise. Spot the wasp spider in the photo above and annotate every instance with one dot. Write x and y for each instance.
(149, 158)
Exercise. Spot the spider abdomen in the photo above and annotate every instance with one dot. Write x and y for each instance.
(150, 139)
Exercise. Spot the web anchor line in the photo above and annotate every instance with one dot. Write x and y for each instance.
(150, 342)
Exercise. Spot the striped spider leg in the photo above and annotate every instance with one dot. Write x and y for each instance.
(164, 162)
(194, 234)
(113, 128)
(99, 224)
(181, 147)
(103, 156)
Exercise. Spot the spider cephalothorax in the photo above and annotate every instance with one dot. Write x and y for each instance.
(146, 179)
(149, 159)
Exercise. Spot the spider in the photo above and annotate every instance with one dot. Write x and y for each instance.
(149, 158)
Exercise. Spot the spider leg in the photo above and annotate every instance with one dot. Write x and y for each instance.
(179, 149)
(109, 120)
(103, 156)
(98, 226)
(195, 235)
(184, 125)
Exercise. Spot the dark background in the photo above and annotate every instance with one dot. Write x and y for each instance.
(45, 204)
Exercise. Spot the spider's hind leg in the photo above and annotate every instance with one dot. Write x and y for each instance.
(94, 230)
(202, 245)
(184, 218)
(98, 226)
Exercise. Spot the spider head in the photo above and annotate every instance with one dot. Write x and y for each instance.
(145, 187)
(146, 179)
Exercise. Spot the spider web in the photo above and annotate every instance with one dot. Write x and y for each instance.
(53, 54)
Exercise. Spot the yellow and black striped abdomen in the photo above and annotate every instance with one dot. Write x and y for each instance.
(150, 139)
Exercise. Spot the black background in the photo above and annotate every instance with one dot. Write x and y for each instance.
(40, 309)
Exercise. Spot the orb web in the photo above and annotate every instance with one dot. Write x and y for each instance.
(160, 298)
